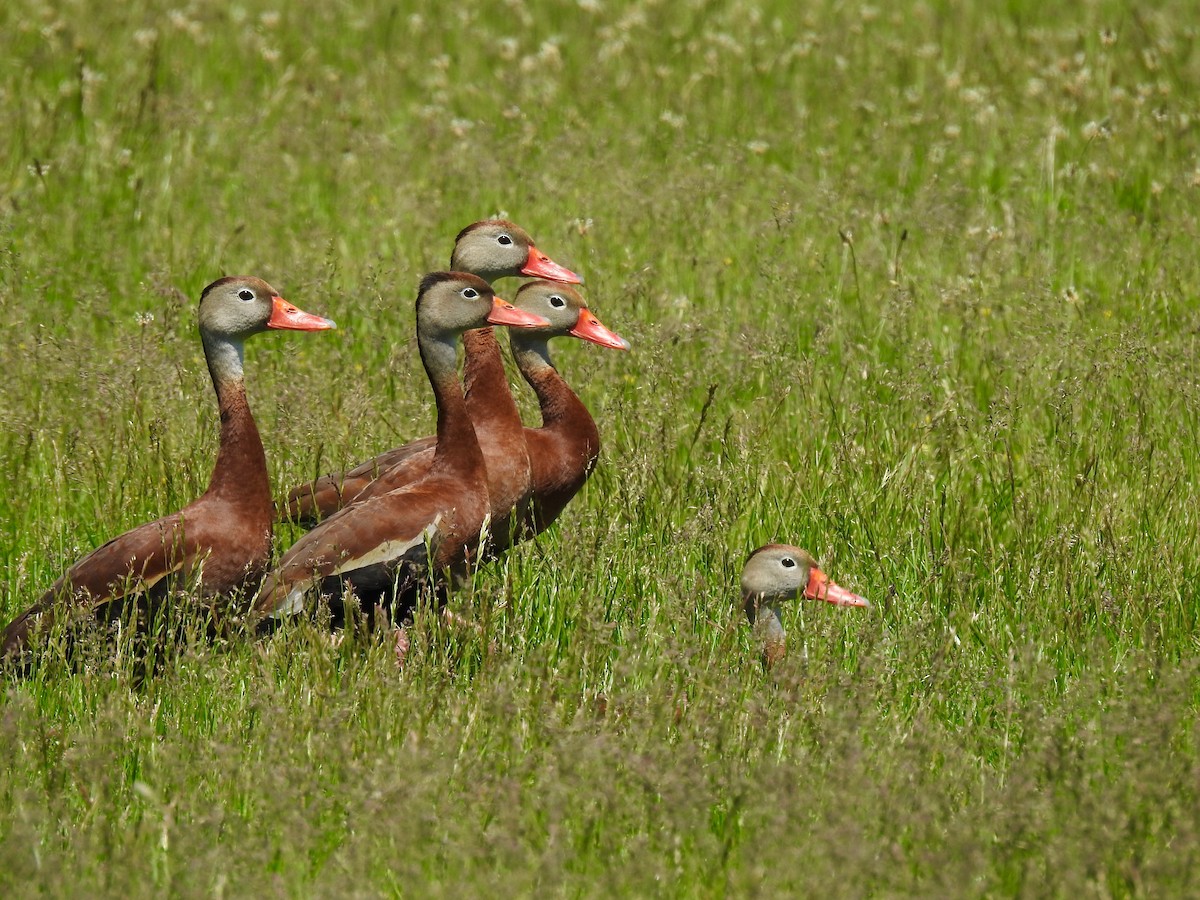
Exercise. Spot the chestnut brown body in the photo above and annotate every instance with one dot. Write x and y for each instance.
(491, 250)
(221, 542)
(386, 547)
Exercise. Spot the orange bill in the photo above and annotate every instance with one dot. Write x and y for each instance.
(504, 313)
(589, 328)
(821, 588)
(539, 265)
(286, 316)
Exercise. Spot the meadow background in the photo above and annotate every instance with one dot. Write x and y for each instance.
(911, 285)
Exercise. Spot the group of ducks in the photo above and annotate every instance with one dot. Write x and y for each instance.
(413, 519)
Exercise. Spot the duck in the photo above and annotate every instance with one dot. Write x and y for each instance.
(490, 249)
(562, 453)
(564, 450)
(220, 542)
(388, 547)
(775, 574)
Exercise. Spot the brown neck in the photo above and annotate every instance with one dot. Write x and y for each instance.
(562, 410)
(457, 445)
(489, 400)
(240, 474)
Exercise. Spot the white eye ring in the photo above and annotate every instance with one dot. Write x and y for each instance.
(470, 293)
(557, 302)
(788, 563)
(246, 294)
(504, 240)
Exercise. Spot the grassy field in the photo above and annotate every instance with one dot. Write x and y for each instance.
(914, 287)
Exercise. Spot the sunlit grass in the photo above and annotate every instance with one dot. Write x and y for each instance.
(912, 288)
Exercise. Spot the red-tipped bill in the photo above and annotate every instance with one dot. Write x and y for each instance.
(589, 328)
(539, 265)
(285, 315)
(504, 313)
(821, 588)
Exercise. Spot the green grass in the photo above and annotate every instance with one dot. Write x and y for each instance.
(914, 288)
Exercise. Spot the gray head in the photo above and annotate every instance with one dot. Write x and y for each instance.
(449, 303)
(567, 313)
(234, 308)
(497, 248)
(241, 305)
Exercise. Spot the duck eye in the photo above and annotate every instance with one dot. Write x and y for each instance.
(504, 240)
(470, 293)
(557, 302)
(788, 563)
(246, 294)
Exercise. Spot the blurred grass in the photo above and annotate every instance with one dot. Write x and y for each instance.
(911, 287)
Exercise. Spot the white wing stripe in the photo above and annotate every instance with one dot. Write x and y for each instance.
(386, 552)
(390, 550)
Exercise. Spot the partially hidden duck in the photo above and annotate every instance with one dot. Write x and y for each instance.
(221, 542)
(776, 574)
(388, 547)
(563, 451)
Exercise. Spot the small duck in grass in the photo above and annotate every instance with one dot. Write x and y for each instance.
(775, 574)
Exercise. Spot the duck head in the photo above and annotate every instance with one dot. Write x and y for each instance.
(566, 312)
(450, 303)
(241, 305)
(497, 248)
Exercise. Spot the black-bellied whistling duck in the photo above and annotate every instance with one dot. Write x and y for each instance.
(388, 546)
(490, 249)
(563, 451)
(775, 574)
(221, 541)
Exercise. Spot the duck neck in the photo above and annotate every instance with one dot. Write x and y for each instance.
(765, 614)
(457, 444)
(488, 398)
(561, 407)
(240, 473)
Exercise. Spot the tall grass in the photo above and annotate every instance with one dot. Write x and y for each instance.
(912, 287)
